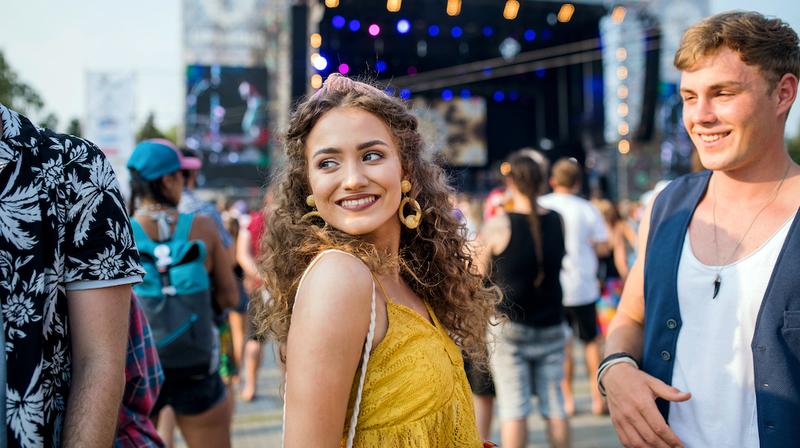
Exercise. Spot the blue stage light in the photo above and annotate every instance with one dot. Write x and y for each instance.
(380, 66)
(433, 30)
(465, 93)
(499, 95)
(355, 25)
(403, 26)
(530, 35)
(541, 72)
(405, 94)
(488, 31)
(338, 22)
(447, 94)
(456, 32)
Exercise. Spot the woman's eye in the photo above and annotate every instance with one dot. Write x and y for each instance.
(327, 163)
(372, 155)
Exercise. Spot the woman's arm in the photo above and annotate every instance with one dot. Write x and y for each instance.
(244, 254)
(492, 240)
(620, 254)
(218, 263)
(329, 325)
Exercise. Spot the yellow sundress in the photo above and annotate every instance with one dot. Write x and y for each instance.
(415, 393)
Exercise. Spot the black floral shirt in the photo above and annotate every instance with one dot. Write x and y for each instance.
(63, 227)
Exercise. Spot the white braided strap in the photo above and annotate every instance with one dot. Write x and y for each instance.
(367, 349)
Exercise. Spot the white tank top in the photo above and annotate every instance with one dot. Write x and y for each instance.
(713, 357)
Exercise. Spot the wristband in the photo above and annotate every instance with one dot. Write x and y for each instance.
(610, 360)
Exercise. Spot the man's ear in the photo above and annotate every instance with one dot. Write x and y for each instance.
(786, 91)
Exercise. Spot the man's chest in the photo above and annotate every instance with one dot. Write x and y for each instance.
(722, 237)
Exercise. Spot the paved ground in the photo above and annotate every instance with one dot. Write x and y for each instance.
(258, 423)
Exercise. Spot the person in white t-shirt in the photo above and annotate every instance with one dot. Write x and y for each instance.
(586, 238)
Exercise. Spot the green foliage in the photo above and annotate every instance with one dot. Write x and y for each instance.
(14, 93)
(50, 121)
(172, 134)
(74, 128)
(149, 129)
(794, 148)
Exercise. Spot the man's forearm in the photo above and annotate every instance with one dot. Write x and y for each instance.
(625, 335)
(93, 405)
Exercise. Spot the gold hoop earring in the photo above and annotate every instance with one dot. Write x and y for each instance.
(313, 213)
(410, 221)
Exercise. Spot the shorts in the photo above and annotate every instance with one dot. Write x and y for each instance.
(190, 395)
(582, 319)
(528, 361)
(244, 298)
(480, 381)
(227, 363)
(607, 305)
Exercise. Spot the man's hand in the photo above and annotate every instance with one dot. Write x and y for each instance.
(631, 401)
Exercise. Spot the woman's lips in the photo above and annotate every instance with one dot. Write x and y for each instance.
(354, 203)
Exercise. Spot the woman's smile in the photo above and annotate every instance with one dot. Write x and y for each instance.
(358, 202)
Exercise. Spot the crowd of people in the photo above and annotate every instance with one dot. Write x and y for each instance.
(403, 311)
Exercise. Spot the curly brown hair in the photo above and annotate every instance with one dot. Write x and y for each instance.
(435, 259)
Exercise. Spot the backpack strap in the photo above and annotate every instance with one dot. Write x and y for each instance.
(365, 358)
(143, 242)
(183, 227)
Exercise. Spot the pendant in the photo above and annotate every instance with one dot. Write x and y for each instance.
(717, 284)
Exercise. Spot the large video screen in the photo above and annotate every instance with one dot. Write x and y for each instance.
(226, 113)
(455, 129)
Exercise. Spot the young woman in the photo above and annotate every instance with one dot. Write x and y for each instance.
(371, 280)
(198, 398)
(522, 250)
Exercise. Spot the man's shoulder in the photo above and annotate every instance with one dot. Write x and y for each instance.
(70, 147)
(678, 187)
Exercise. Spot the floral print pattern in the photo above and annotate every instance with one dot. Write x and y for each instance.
(62, 220)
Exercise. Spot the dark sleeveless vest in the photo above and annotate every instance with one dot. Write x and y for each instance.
(776, 341)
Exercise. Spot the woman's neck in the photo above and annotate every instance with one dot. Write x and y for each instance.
(152, 206)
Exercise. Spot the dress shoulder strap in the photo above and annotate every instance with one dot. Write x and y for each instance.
(365, 357)
(380, 286)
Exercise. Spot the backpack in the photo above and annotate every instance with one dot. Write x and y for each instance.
(176, 297)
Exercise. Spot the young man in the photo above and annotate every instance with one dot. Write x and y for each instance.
(67, 260)
(711, 305)
(586, 238)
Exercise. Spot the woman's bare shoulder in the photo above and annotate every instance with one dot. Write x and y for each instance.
(338, 282)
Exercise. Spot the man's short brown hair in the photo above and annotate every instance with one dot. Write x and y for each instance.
(567, 173)
(767, 43)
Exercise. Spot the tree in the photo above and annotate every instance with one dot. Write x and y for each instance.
(149, 129)
(74, 128)
(14, 93)
(172, 134)
(793, 144)
(50, 121)
(794, 148)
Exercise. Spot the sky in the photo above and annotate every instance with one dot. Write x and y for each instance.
(52, 44)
